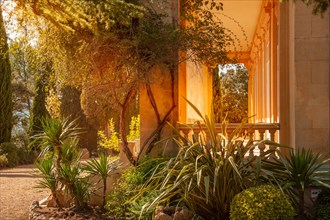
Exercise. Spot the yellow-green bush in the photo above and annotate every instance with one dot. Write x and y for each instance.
(10, 150)
(3, 161)
(134, 128)
(262, 202)
(112, 142)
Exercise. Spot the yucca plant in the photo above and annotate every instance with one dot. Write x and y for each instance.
(58, 139)
(296, 171)
(53, 135)
(207, 172)
(75, 184)
(103, 168)
(48, 176)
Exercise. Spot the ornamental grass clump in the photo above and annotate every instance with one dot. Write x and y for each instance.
(206, 174)
(261, 202)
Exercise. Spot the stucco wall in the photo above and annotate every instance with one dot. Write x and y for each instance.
(311, 79)
(161, 86)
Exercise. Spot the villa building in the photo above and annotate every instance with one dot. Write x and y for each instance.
(286, 51)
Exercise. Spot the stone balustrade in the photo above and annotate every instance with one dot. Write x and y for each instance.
(254, 131)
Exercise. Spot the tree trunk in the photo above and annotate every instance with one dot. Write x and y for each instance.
(123, 133)
(59, 158)
(56, 199)
(301, 203)
(6, 102)
(104, 191)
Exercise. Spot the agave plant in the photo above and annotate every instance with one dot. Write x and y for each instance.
(298, 170)
(206, 174)
(104, 168)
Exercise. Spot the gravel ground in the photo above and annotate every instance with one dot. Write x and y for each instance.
(17, 192)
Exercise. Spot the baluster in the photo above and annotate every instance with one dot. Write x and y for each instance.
(195, 134)
(272, 147)
(185, 133)
(262, 145)
(251, 151)
(229, 132)
(207, 139)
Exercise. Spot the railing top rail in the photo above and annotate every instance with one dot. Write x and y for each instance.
(184, 126)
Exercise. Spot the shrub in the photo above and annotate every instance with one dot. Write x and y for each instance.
(134, 128)
(298, 170)
(3, 160)
(262, 202)
(206, 174)
(10, 150)
(112, 142)
(26, 156)
(104, 168)
(120, 203)
(117, 201)
(322, 205)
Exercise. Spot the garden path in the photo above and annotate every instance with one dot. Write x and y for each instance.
(17, 192)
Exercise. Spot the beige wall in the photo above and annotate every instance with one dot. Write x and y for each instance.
(163, 90)
(199, 90)
(161, 86)
(311, 79)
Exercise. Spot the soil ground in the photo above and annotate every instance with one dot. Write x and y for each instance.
(17, 192)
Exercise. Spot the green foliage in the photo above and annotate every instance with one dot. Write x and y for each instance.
(120, 203)
(25, 155)
(88, 17)
(261, 202)
(112, 142)
(230, 94)
(202, 33)
(205, 176)
(296, 171)
(6, 102)
(71, 108)
(47, 169)
(58, 140)
(39, 111)
(55, 132)
(10, 150)
(3, 160)
(134, 128)
(102, 168)
(137, 208)
(25, 67)
(75, 184)
(322, 205)
(319, 6)
(69, 177)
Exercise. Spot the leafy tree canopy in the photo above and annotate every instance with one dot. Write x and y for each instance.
(230, 93)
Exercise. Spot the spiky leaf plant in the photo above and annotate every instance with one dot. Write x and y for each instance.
(58, 141)
(207, 172)
(53, 135)
(103, 168)
(296, 171)
(48, 176)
